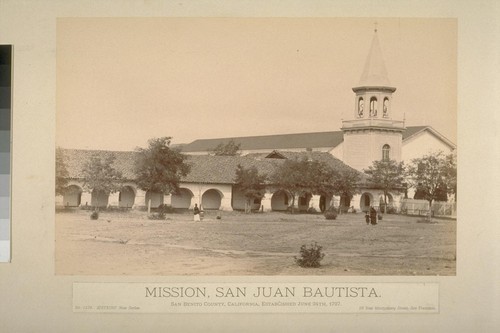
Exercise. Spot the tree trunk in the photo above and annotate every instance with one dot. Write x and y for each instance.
(385, 202)
(248, 208)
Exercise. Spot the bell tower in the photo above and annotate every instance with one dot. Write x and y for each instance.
(372, 133)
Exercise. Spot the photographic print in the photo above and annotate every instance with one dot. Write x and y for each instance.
(256, 146)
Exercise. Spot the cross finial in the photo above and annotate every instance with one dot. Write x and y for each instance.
(375, 26)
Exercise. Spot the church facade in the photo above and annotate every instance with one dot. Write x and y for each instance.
(373, 132)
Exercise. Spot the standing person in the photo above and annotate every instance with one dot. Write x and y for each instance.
(196, 212)
(373, 215)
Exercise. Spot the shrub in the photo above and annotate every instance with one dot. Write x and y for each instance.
(331, 213)
(160, 213)
(165, 209)
(94, 215)
(391, 210)
(156, 216)
(310, 256)
(312, 210)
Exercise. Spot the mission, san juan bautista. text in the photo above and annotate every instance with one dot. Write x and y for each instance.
(260, 291)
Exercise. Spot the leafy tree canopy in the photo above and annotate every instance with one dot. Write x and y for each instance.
(62, 173)
(159, 168)
(99, 174)
(450, 171)
(230, 148)
(386, 175)
(346, 183)
(250, 182)
(432, 174)
(302, 177)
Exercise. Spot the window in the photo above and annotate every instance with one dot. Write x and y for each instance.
(386, 149)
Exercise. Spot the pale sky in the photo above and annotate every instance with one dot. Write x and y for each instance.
(121, 81)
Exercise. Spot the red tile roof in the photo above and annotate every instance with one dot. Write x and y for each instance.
(284, 141)
(412, 130)
(280, 141)
(75, 160)
(204, 168)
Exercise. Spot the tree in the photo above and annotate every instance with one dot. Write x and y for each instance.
(321, 178)
(100, 176)
(159, 168)
(62, 173)
(433, 173)
(386, 175)
(230, 148)
(289, 177)
(251, 183)
(346, 183)
(450, 171)
(304, 177)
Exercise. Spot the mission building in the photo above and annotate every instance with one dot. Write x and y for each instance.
(374, 131)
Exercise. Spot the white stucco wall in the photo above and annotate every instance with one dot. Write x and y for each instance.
(361, 148)
(199, 189)
(338, 151)
(421, 144)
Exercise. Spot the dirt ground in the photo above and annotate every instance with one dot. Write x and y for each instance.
(129, 243)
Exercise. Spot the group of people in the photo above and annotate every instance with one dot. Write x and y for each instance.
(198, 214)
(371, 216)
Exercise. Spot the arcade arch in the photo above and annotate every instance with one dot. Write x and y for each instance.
(280, 200)
(99, 199)
(182, 199)
(155, 197)
(366, 201)
(72, 196)
(126, 197)
(390, 201)
(211, 199)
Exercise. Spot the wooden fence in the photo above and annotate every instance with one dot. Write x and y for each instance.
(421, 207)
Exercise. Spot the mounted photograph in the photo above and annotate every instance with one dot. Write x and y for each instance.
(256, 146)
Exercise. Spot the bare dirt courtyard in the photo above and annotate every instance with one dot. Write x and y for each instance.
(128, 243)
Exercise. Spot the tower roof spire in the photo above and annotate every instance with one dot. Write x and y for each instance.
(374, 73)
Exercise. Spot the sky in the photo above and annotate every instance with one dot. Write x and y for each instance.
(122, 81)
